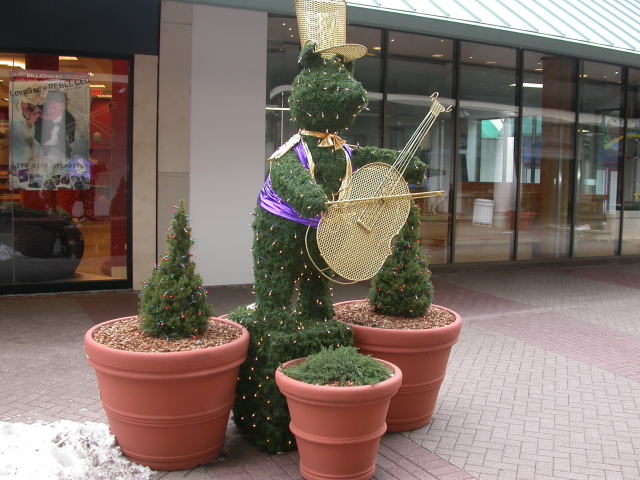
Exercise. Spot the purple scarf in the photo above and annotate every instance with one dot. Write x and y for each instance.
(272, 203)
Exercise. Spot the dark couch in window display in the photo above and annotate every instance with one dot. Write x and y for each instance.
(37, 246)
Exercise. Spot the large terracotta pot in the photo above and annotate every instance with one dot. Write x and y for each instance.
(337, 429)
(422, 355)
(168, 410)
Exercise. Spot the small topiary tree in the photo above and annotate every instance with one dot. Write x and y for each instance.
(403, 287)
(173, 303)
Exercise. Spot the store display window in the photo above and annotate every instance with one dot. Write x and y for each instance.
(63, 169)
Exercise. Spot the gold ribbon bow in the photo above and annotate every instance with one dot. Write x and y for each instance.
(326, 139)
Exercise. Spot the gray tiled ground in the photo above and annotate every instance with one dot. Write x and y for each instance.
(584, 299)
(545, 289)
(544, 383)
(511, 410)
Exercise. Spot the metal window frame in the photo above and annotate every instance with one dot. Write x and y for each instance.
(517, 154)
(622, 162)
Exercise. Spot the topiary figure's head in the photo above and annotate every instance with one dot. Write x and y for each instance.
(325, 96)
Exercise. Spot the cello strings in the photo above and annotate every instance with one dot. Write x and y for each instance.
(403, 160)
(405, 156)
(407, 153)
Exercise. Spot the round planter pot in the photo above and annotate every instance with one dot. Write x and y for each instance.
(337, 429)
(422, 355)
(168, 410)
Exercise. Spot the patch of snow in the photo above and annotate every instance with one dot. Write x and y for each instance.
(64, 450)
(7, 253)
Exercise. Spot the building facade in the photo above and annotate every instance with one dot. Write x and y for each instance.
(539, 158)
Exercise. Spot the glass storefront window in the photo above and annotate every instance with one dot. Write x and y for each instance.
(598, 156)
(547, 150)
(63, 169)
(486, 183)
(631, 188)
(418, 66)
(570, 149)
(367, 130)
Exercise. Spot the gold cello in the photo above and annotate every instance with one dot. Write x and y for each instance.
(355, 233)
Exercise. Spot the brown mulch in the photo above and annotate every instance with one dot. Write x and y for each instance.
(124, 335)
(361, 313)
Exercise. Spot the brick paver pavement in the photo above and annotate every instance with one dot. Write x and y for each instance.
(543, 384)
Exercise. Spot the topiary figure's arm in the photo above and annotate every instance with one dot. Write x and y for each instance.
(414, 174)
(294, 184)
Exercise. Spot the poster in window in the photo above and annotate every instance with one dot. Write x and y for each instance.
(49, 130)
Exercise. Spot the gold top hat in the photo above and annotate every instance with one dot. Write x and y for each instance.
(324, 22)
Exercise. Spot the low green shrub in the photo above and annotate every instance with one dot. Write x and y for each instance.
(341, 366)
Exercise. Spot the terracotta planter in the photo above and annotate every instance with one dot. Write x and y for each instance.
(337, 429)
(422, 356)
(168, 410)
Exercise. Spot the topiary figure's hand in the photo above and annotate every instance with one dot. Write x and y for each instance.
(293, 184)
(414, 174)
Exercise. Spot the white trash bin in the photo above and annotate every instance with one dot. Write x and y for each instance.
(482, 212)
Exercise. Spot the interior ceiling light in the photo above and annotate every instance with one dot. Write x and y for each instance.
(438, 55)
(12, 63)
(393, 39)
(68, 59)
(98, 86)
(491, 62)
(529, 85)
(538, 69)
(377, 48)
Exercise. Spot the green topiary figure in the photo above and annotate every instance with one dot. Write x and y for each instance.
(173, 303)
(302, 177)
(304, 174)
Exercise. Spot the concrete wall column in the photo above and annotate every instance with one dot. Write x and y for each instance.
(174, 106)
(145, 95)
(228, 78)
